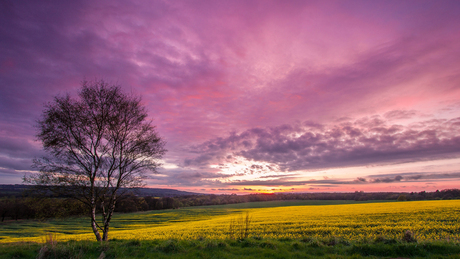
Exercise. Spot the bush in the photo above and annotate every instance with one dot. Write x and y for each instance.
(402, 198)
(409, 237)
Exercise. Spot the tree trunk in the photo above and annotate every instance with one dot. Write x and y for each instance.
(93, 222)
(105, 235)
(111, 208)
(105, 232)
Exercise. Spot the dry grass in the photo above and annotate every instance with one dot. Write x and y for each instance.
(239, 227)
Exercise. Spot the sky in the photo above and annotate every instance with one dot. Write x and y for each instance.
(251, 96)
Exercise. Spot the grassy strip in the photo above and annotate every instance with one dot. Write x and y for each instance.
(230, 248)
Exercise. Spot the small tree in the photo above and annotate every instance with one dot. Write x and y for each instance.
(97, 144)
(402, 197)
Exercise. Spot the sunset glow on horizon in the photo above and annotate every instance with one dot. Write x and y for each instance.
(252, 96)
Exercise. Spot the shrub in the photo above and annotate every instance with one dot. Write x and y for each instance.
(409, 237)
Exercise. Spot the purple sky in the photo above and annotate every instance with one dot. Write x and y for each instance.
(252, 96)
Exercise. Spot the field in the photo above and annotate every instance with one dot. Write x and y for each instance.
(429, 220)
(310, 221)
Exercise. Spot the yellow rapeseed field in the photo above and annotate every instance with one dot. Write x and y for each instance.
(428, 220)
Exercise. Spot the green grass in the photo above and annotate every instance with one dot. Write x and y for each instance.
(246, 248)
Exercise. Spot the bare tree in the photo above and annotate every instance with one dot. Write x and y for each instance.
(98, 144)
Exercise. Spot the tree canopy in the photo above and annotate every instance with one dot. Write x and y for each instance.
(96, 143)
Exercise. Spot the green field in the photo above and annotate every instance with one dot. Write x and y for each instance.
(292, 229)
(271, 204)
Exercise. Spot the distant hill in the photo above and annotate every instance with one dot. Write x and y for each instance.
(156, 192)
(7, 190)
(17, 190)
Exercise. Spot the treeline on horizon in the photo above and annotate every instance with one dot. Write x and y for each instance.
(27, 206)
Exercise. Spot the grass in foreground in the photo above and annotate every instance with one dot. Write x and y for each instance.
(243, 248)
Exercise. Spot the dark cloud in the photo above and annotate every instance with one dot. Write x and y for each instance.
(365, 141)
(387, 179)
(400, 114)
(16, 155)
(290, 182)
(275, 176)
(416, 177)
(19, 147)
(360, 179)
(199, 175)
(181, 178)
(372, 179)
(16, 164)
(411, 177)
